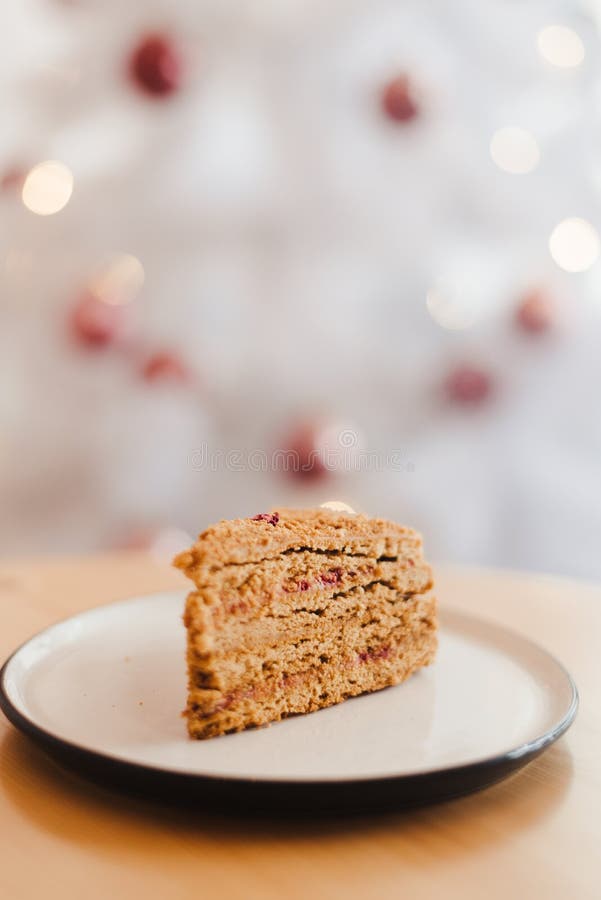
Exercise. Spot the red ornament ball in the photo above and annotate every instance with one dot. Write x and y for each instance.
(95, 323)
(535, 313)
(302, 453)
(139, 538)
(468, 385)
(397, 100)
(164, 366)
(155, 65)
(13, 179)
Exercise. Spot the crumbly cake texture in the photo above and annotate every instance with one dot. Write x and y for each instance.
(296, 610)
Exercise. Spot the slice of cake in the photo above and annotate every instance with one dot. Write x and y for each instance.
(297, 610)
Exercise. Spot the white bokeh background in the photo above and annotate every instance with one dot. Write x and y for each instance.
(306, 257)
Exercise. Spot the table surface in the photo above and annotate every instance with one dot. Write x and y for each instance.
(535, 835)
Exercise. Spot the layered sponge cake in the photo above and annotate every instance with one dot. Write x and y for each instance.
(296, 610)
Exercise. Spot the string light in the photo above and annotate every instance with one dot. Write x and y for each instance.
(47, 188)
(514, 150)
(451, 309)
(120, 281)
(574, 245)
(560, 46)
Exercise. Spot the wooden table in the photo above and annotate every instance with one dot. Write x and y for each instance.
(537, 835)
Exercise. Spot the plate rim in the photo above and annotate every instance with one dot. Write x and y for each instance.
(510, 759)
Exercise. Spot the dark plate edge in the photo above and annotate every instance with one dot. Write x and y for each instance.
(285, 796)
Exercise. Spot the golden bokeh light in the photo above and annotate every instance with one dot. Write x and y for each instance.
(574, 245)
(47, 188)
(120, 280)
(514, 150)
(561, 46)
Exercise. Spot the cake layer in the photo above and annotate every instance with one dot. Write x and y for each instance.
(287, 647)
(268, 535)
(304, 580)
(376, 602)
(314, 688)
(210, 640)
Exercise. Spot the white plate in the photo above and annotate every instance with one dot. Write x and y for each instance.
(104, 691)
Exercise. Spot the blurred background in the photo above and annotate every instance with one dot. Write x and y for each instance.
(283, 252)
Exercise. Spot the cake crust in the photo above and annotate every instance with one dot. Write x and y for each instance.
(298, 609)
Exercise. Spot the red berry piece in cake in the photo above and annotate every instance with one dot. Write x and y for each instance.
(272, 518)
(334, 576)
(155, 65)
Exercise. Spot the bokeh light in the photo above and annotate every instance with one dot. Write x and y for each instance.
(514, 150)
(560, 46)
(574, 245)
(47, 188)
(450, 308)
(120, 280)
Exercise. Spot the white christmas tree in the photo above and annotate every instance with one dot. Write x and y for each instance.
(366, 228)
